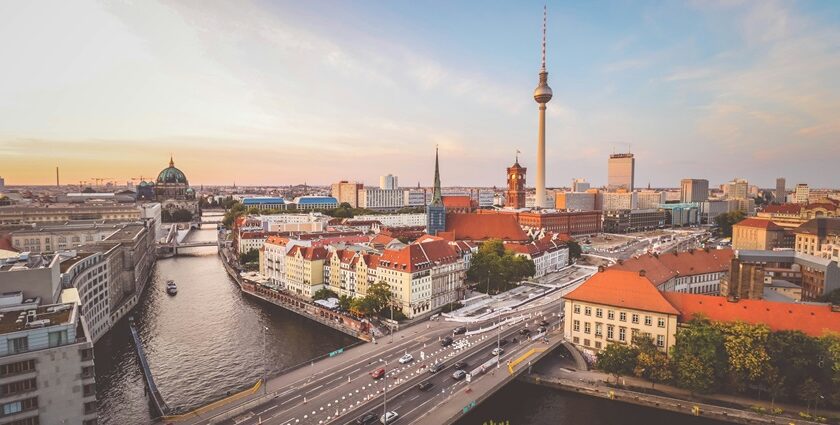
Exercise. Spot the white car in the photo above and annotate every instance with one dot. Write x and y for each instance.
(389, 417)
(407, 358)
(497, 351)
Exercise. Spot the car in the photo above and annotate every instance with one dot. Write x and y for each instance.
(544, 322)
(459, 330)
(407, 358)
(367, 419)
(389, 417)
(459, 375)
(424, 386)
(498, 351)
(541, 329)
(378, 373)
(503, 342)
(435, 368)
(446, 341)
(460, 365)
(524, 331)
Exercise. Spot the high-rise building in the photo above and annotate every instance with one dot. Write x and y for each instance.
(621, 170)
(388, 182)
(373, 198)
(542, 94)
(436, 211)
(801, 194)
(580, 185)
(515, 195)
(348, 192)
(2, 183)
(781, 192)
(737, 189)
(647, 199)
(694, 190)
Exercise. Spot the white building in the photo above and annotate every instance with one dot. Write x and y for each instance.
(414, 198)
(801, 194)
(580, 185)
(548, 255)
(618, 200)
(88, 273)
(649, 199)
(396, 220)
(381, 199)
(388, 182)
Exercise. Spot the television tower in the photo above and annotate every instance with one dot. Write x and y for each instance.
(542, 94)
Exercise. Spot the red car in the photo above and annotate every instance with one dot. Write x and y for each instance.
(376, 374)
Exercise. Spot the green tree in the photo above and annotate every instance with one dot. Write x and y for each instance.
(725, 221)
(234, 209)
(746, 351)
(797, 357)
(617, 360)
(698, 357)
(808, 392)
(651, 363)
(251, 256)
(323, 294)
(774, 383)
(363, 306)
(493, 268)
(344, 302)
(574, 249)
(380, 294)
(832, 297)
(181, 215)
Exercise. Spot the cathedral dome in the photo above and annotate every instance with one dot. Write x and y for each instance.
(171, 175)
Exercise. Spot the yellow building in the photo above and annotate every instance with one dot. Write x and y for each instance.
(613, 306)
(814, 234)
(305, 270)
(760, 234)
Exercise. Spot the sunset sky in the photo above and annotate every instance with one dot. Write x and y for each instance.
(315, 91)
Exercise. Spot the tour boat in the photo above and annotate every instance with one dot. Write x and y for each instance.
(171, 288)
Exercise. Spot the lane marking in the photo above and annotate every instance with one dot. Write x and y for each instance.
(297, 396)
(313, 389)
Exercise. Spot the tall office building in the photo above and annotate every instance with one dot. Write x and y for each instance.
(621, 171)
(801, 194)
(388, 182)
(348, 192)
(2, 183)
(515, 195)
(781, 192)
(436, 211)
(737, 189)
(542, 94)
(580, 185)
(694, 190)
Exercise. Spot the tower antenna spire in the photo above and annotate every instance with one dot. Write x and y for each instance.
(545, 21)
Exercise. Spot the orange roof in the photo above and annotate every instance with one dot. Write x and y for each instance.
(812, 319)
(759, 224)
(661, 268)
(277, 240)
(619, 288)
(418, 256)
(309, 253)
(381, 239)
(459, 201)
(783, 209)
(479, 227)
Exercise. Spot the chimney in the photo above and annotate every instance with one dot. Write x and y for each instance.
(642, 272)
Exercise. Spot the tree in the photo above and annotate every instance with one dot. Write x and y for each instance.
(323, 294)
(832, 297)
(725, 222)
(774, 383)
(380, 294)
(809, 391)
(251, 256)
(617, 360)
(746, 351)
(574, 249)
(494, 268)
(234, 209)
(797, 357)
(698, 357)
(651, 363)
(182, 215)
(344, 302)
(364, 306)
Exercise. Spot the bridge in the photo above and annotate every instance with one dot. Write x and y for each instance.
(337, 388)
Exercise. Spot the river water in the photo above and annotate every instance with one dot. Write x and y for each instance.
(208, 340)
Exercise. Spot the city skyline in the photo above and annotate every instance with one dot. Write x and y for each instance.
(312, 96)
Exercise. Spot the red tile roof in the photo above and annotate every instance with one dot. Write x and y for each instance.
(479, 227)
(783, 209)
(619, 288)
(812, 319)
(381, 239)
(457, 202)
(759, 223)
(418, 256)
(309, 253)
(660, 268)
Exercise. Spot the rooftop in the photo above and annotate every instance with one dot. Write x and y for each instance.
(478, 227)
(759, 224)
(659, 268)
(14, 321)
(625, 289)
(262, 201)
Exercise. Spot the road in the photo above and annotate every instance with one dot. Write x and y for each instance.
(347, 391)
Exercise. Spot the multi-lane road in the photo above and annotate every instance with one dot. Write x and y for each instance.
(346, 391)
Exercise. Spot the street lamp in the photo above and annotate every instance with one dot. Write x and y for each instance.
(385, 390)
(265, 359)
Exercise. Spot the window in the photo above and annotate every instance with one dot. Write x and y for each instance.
(587, 328)
(576, 340)
(586, 342)
(661, 322)
(58, 338)
(598, 331)
(622, 334)
(577, 309)
(622, 316)
(610, 315)
(16, 368)
(598, 344)
(576, 325)
(635, 318)
(11, 408)
(17, 387)
(599, 312)
(587, 311)
(648, 321)
(610, 331)
(18, 345)
(660, 340)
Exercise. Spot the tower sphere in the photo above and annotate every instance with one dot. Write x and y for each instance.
(542, 94)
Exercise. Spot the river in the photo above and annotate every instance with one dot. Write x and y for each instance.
(208, 340)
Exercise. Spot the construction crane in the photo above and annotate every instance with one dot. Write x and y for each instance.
(98, 180)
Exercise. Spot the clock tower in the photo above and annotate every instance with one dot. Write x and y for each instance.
(515, 195)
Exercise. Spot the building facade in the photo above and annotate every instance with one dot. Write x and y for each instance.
(801, 194)
(621, 171)
(694, 190)
(515, 194)
(436, 211)
(388, 182)
(381, 199)
(574, 201)
(348, 192)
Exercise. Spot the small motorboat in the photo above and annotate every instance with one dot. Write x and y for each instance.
(171, 287)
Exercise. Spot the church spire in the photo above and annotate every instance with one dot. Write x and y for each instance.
(437, 197)
(171, 161)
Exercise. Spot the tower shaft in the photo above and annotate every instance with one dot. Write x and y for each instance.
(540, 178)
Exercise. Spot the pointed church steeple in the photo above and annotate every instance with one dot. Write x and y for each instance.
(437, 197)
(436, 211)
(171, 161)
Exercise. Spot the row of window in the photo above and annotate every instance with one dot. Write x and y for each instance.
(622, 316)
(19, 406)
(622, 332)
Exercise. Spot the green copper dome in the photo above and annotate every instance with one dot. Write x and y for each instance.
(172, 174)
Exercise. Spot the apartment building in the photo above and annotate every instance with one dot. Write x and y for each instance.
(304, 270)
(60, 213)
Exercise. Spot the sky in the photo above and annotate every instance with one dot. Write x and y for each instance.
(286, 92)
